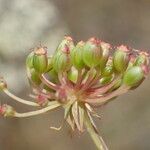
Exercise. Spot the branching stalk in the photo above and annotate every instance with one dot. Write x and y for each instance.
(19, 99)
(103, 99)
(52, 105)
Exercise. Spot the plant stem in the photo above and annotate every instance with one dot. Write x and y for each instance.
(48, 83)
(79, 79)
(6, 91)
(100, 144)
(103, 89)
(88, 80)
(52, 105)
(103, 99)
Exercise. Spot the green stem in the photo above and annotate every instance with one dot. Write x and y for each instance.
(100, 144)
(19, 99)
(52, 105)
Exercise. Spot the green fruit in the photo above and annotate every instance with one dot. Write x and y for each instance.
(105, 54)
(108, 70)
(29, 60)
(50, 64)
(105, 80)
(73, 75)
(77, 55)
(121, 59)
(40, 60)
(142, 59)
(35, 77)
(133, 76)
(61, 62)
(62, 59)
(92, 53)
(67, 41)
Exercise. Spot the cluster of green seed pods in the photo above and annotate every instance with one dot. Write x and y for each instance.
(93, 53)
(78, 77)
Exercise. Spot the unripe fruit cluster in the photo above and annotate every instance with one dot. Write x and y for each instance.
(94, 54)
(78, 77)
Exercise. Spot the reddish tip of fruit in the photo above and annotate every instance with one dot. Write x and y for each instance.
(81, 43)
(107, 45)
(132, 58)
(68, 38)
(94, 40)
(124, 48)
(144, 53)
(40, 51)
(145, 69)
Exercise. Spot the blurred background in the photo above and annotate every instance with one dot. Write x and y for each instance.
(125, 123)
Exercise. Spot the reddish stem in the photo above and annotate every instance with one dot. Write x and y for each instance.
(49, 83)
(81, 75)
(103, 99)
(103, 89)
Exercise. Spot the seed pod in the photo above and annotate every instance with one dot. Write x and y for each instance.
(92, 52)
(66, 41)
(109, 69)
(61, 60)
(73, 75)
(35, 77)
(132, 61)
(105, 54)
(142, 59)
(106, 80)
(50, 64)
(29, 60)
(133, 76)
(121, 58)
(40, 60)
(77, 55)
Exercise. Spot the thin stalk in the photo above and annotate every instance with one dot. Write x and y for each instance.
(48, 83)
(103, 99)
(32, 84)
(103, 89)
(68, 82)
(52, 105)
(99, 142)
(88, 80)
(79, 79)
(61, 78)
(93, 81)
(6, 91)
